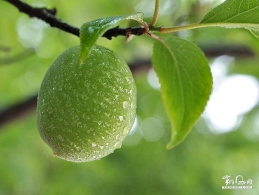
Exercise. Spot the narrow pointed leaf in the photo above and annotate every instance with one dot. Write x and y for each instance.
(91, 31)
(235, 14)
(186, 83)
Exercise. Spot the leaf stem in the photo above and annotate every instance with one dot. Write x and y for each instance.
(163, 30)
(180, 28)
(155, 15)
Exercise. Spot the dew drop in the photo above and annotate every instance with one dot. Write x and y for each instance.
(90, 29)
(125, 131)
(79, 125)
(84, 97)
(118, 61)
(121, 118)
(125, 105)
(127, 79)
(87, 84)
(69, 104)
(60, 138)
(107, 114)
(117, 145)
(77, 147)
(94, 144)
(94, 86)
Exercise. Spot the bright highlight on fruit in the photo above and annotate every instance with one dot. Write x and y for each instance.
(85, 111)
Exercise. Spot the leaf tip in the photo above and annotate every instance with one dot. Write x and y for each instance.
(173, 143)
(176, 139)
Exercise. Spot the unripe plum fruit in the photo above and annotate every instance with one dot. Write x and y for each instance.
(85, 111)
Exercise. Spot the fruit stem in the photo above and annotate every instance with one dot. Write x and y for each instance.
(155, 15)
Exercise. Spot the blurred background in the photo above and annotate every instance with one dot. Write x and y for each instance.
(225, 141)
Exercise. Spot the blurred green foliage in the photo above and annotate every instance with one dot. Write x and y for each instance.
(142, 165)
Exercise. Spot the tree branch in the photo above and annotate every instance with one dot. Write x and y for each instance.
(49, 16)
(18, 57)
(17, 111)
(4, 48)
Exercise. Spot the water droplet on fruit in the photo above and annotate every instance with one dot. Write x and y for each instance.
(125, 105)
(125, 131)
(69, 104)
(77, 147)
(94, 144)
(117, 145)
(95, 87)
(84, 97)
(60, 138)
(107, 114)
(98, 53)
(121, 118)
(118, 61)
(79, 124)
(87, 83)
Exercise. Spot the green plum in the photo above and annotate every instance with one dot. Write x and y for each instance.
(85, 111)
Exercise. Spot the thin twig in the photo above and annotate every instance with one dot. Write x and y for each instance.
(49, 16)
(17, 111)
(4, 49)
(17, 58)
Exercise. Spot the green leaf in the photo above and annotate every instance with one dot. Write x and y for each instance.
(186, 83)
(91, 31)
(235, 14)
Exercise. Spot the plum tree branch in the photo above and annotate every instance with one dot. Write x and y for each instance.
(17, 111)
(17, 57)
(49, 16)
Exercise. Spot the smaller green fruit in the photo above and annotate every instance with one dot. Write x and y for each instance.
(85, 111)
